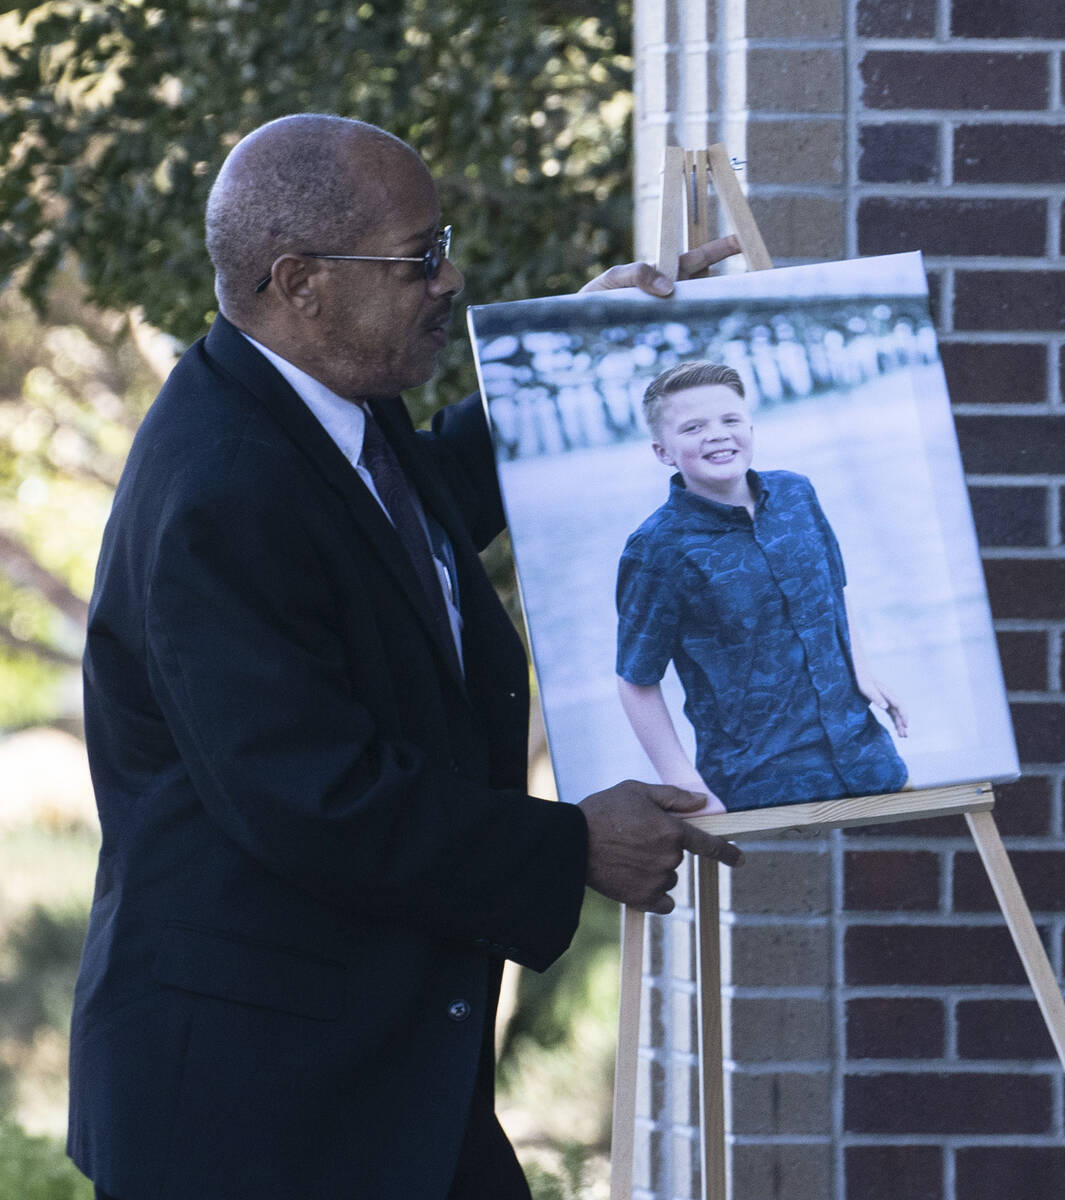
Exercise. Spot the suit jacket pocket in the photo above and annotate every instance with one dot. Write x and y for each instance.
(245, 972)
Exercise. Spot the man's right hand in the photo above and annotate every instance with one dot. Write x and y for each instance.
(636, 841)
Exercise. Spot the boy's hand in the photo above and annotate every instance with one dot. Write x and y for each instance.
(637, 839)
(649, 279)
(711, 805)
(878, 695)
(695, 785)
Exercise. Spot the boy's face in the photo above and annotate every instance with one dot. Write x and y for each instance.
(706, 433)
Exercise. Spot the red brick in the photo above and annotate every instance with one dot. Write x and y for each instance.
(930, 955)
(1041, 874)
(932, 827)
(896, 18)
(881, 1027)
(1025, 657)
(897, 79)
(1039, 728)
(1010, 516)
(1061, 661)
(962, 1103)
(994, 373)
(894, 1173)
(899, 152)
(1010, 300)
(1005, 1029)
(1006, 445)
(1023, 808)
(1009, 154)
(890, 880)
(935, 292)
(1010, 1172)
(890, 225)
(1026, 589)
(1007, 18)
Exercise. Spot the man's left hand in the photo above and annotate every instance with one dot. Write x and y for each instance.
(655, 282)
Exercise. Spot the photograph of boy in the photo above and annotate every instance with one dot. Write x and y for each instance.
(812, 589)
(738, 580)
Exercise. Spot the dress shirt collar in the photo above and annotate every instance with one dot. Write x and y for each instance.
(344, 420)
(725, 516)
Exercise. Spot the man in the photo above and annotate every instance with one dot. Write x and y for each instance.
(306, 716)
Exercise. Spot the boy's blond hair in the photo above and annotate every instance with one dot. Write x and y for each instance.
(680, 378)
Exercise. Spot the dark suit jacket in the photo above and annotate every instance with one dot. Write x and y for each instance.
(317, 846)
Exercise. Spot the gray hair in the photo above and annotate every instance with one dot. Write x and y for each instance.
(280, 191)
(680, 378)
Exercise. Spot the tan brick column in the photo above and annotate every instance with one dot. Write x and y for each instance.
(767, 78)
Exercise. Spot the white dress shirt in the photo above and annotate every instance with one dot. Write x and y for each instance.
(345, 422)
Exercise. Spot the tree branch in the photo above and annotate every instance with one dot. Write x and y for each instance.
(38, 649)
(20, 565)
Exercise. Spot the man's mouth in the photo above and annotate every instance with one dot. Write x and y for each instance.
(438, 328)
(720, 456)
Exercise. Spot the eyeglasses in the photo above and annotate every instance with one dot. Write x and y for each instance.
(432, 260)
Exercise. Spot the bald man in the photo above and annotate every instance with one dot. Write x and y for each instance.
(306, 715)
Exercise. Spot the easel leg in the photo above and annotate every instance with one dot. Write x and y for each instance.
(708, 998)
(623, 1136)
(1021, 926)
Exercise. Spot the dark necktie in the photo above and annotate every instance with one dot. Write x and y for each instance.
(398, 498)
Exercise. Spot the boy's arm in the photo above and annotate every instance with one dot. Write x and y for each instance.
(868, 685)
(656, 733)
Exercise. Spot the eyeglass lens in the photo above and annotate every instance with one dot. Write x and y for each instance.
(437, 252)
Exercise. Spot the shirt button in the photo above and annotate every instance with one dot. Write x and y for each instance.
(458, 1010)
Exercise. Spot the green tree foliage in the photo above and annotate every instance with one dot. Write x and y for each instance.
(72, 391)
(116, 114)
(35, 1168)
(43, 951)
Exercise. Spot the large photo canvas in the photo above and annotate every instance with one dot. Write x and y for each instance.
(774, 558)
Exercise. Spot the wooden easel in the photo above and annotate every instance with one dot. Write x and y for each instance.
(686, 182)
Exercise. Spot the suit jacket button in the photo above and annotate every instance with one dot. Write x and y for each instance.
(458, 1010)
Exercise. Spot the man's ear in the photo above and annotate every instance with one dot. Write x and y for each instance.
(295, 281)
(662, 454)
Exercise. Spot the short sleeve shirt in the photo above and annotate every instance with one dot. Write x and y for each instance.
(751, 613)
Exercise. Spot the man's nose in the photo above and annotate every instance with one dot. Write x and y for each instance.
(448, 282)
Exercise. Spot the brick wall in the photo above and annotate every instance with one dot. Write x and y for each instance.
(882, 1039)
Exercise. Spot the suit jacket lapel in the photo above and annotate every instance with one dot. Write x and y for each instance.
(238, 358)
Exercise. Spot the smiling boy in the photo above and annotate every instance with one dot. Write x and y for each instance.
(738, 580)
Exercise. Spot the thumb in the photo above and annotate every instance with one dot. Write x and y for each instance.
(675, 799)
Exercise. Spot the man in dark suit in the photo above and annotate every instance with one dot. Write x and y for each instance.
(306, 714)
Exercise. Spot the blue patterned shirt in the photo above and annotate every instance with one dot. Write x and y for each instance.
(751, 613)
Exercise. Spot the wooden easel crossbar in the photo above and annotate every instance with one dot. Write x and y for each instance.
(687, 179)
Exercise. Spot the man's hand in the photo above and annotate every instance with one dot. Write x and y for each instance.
(637, 838)
(649, 279)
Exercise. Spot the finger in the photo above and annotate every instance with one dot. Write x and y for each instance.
(700, 257)
(711, 808)
(698, 841)
(875, 696)
(675, 799)
(639, 275)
